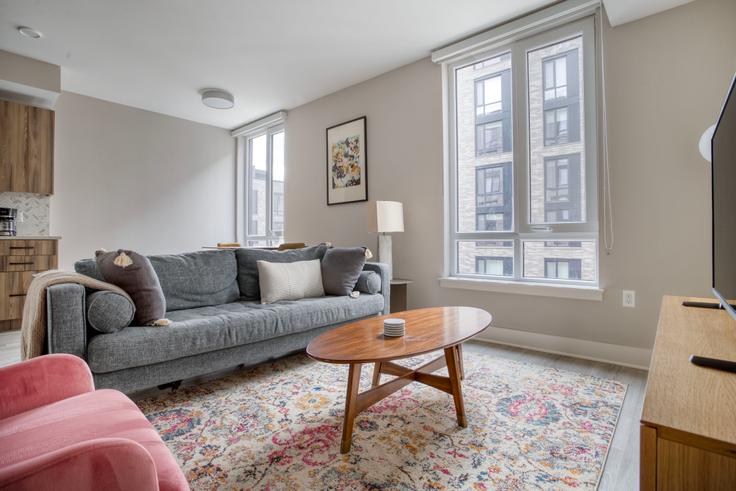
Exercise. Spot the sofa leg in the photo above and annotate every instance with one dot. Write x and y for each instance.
(173, 385)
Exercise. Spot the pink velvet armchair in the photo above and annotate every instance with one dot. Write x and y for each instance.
(57, 432)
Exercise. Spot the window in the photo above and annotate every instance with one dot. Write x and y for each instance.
(264, 187)
(564, 269)
(555, 78)
(493, 197)
(494, 266)
(561, 93)
(555, 126)
(561, 243)
(561, 189)
(487, 258)
(523, 158)
(493, 107)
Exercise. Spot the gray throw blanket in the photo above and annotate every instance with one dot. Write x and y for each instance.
(33, 327)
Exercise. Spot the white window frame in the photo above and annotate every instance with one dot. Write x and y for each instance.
(268, 126)
(557, 23)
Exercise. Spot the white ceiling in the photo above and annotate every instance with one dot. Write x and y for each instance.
(271, 54)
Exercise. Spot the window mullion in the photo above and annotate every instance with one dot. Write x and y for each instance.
(269, 183)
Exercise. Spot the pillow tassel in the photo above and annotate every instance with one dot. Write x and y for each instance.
(161, 322)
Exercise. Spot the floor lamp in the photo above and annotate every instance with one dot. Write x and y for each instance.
(388, 217)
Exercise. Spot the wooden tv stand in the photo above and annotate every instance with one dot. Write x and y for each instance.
(688, 422)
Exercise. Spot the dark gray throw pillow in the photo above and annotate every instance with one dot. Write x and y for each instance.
(368, 282)
(248, 265)
(341, 267)
(134, 274)
(109, 311)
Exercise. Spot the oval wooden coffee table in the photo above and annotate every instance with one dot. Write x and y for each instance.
(427, 330)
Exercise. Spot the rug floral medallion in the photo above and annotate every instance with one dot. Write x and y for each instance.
(278, 426)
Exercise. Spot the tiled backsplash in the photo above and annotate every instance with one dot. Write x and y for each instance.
(33, 212)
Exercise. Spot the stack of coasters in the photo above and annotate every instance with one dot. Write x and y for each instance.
(394, 327)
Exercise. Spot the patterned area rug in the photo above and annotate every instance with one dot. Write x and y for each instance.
(278, 426)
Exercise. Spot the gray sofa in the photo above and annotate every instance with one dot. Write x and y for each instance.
(213, 326)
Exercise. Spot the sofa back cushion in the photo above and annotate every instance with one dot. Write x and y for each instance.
(197, 279)
(248, 265)
(189, 280)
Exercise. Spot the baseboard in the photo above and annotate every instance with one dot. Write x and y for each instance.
(627, 356)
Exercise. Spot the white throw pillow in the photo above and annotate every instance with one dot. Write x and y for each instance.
(290, 281)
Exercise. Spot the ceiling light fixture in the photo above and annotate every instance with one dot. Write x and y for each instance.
(30, 32)
(217, 99)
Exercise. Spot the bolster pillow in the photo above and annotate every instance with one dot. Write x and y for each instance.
(368, 282)
(109, 311)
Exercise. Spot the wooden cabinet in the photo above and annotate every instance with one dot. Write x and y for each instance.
(26, 148)
(19, 261)
(688, 431)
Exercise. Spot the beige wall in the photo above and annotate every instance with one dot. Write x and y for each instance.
(128, 178)
(667, 76)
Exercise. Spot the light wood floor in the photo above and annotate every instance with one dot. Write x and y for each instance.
(622, 466)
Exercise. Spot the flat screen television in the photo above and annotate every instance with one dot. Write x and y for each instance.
(723, 165)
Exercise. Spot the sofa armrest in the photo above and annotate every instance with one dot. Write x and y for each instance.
(40, 381)
(66, 319)
(385, 274)
(115, 464)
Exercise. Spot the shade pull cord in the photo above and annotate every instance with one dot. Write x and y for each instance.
(608, 233)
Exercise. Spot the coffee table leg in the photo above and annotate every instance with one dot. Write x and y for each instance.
(376, 374)
(350, 407)
(453, 368)
(459, 349)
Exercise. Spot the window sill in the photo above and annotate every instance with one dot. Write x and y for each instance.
(576, 292)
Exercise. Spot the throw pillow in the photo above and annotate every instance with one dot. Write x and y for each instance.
(109, 311)
(133, 273)
(289, 281)
(248, 268)
(341, 267)
(368, 282)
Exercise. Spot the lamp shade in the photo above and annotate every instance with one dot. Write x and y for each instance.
(387, 216)
(704, 143)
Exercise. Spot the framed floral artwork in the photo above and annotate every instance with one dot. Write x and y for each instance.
(347, 162)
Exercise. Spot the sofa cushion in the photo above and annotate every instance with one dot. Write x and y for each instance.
(289, 281)
(109, 311)
(248, 265)
(88, 267)
(341, 267)
(101, 414)
(197, 279)
(206, 329)
(192, 279)
(310, 313)
(368, 282)
(133, 273)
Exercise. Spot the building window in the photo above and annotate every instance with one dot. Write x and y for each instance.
(494, 266)
(562, 188)
(493, 112)
(264, 187)
(532, 186)
(555, 126)
(493, 207)
(561, 98)
(555, 78)
(561, 243)
(563, 269)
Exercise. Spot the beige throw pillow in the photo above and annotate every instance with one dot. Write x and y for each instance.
(290, 281)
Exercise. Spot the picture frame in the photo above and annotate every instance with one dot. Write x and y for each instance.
(346, 162)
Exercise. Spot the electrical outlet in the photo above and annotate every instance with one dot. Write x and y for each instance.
(629, 298)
